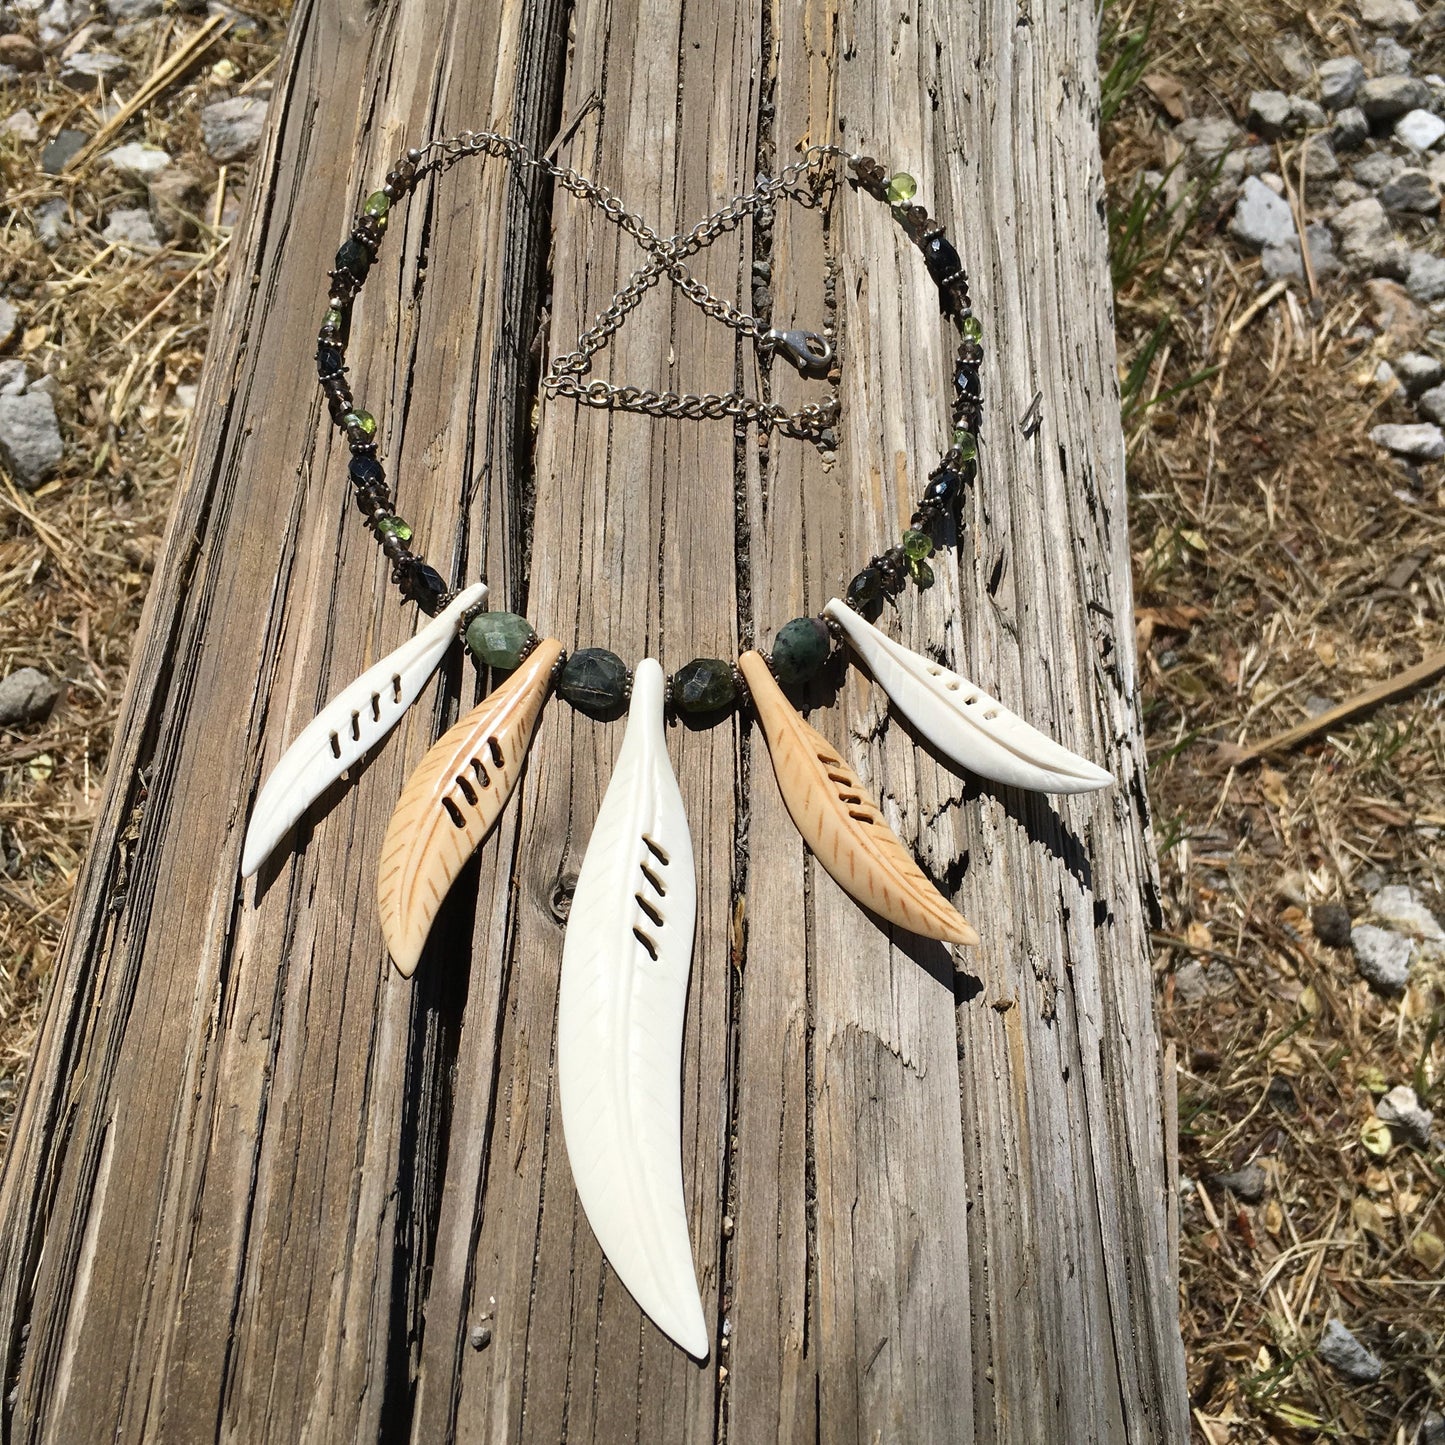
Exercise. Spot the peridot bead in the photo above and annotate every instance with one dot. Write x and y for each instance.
(917, 545)
(394, 527)
(965, 444)
(921, 573)
(378, 203)
(901, 188)
(359, 425)
(972, 328)
(335, 317)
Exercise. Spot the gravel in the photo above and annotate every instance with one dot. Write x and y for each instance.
(1431, 404)
(30, 443)
(1267, 113)
(1411, 191)
(51, 220)
(1389, 57)
(1417, 373)
(1320, 161)
(1347, 1356)
(60, 150)
(13, 376)
(1398, 904)
(81, 71)
(1351, 129)
(232, 129)
(1340, 79)
(131, 228)
(1304, 114)
(1367, 243)
(1393, 15)
(1415, 441)
(1419, 129)
(1408, 1122)
(27, 696)
(137, 161)
(1382, 957)
(1284, 260)
(177, 199)
(1261, 218)
(1425, 277)
(1247, 1184)
(9, 323)
(1387, 97)
(1377, 170)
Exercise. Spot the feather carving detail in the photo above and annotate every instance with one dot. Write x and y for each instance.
(962, 721)
(452, 800)
(347, 728)
(841, 823)
(620, 1014)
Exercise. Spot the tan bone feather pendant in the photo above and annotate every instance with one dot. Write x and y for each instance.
(452, 800)
(841, 823)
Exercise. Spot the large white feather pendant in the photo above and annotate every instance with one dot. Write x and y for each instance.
(962, 721)
(452, 800)
(841, 823)
(620, 1016)
(347, 728)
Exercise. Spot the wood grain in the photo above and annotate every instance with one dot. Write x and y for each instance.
(263, 1189)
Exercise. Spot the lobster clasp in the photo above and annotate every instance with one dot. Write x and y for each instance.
(810, 353)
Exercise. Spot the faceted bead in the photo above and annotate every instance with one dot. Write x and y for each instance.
(355, 258)
(917, 545)
(800, 649)
(921, 573)
(498, 639)
(423, 585)
(901, 188)
(703, 685)
(965, 444)
(941, 259)
(394, 527)
(330, 358)
(943, 488)
(335, 320)
(966, 383)
(972, 328)
(360, 426)
(594, 681)
(367, 472)
(865, 587)
(378, 203)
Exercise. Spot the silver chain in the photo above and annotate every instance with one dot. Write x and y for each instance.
(808, 351)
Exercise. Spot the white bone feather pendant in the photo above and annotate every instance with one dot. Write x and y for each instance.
(962, 721)
(620, 1013)
(347, 728)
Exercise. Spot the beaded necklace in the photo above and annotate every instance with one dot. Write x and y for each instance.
(627, 951)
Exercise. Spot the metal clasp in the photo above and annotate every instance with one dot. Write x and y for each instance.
(810, 353)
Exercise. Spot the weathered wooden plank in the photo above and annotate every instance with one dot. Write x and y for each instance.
(262, 1188)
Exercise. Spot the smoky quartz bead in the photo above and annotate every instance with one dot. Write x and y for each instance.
(594, 681)
(800, 649)
(943, 488)
(422, 584)
(704, 685)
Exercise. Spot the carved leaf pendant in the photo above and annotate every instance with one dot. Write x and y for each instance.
(841, 823)
(962, 721)
(347, 728)
(620, 1014)
(451, 801)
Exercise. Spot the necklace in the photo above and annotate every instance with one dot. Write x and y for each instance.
(628, 946)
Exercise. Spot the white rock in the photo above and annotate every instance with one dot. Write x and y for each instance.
(1431, 404)
(21, 124)
(1389, 57)
(30, 443)
(232, 128)
(132, 228)
(1401, 1110)
(1418, 373)
(1419, 129)
(138, 161)
(1389, 14)
(13, 376)
(1261, 218)
(82, 71)
(1425, 277)
(1267, 113)
(1398, 904)
(9, 322)
(1339, 80)
(1415, 441)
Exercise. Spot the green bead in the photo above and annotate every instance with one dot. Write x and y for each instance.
(335, 317)
(355, 258)
(378, 203)
(965, 444)
(703, 685)
(972, 328)
(901, 188)
(921, 573)
(394, 527)
(800, 649)
(865, 589)
(917, 545)
(594, 681)
(359, 425)
(498, 639)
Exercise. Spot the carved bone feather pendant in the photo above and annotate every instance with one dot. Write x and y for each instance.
(347, 728)
(962, 721)
(620, 1014)
(451, 801)
(841, 823)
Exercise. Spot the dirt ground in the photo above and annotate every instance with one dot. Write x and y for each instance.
(1279, 558)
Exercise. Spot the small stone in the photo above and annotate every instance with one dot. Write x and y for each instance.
(1367, 244)
(1425, 277)
(1432, 1429)
(1247, 1184)
(1431, 404)
(1338, 1347)
(1254, 161)
(13, 377)
(1415, 441)
(704, 685)
(1261, 218)
(1339, 80)
(1347, 192)
(1377, 170)
(22, 125)
(594, 681)
(84, 70)
(1321, 163)
(1409, 1123)
(1267, 113)
(1386, 97)
(51, 220)
(481, 1336)
(232, 129)
(1284, 260)
(1403, 909)
(1389, 57)
(177, 199)
(1207, 141)
(30, 443)
(800, 649)
(1304, 114)
(55, 155)
(20, 53)
(1331, 923)
(1351, 129)
(27, 696)
(9, 323)
(1411, 191)
(498, 639)
(1290, 51)
(1382, 957)
(1194, 983)
(1418, 373)
(131, 228)
(128, 12)
(1274, 182)
(137, 161)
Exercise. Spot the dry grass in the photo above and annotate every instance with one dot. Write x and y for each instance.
(1279, 557)
(123, 332)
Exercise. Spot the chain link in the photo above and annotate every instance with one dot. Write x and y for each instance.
(667, 257)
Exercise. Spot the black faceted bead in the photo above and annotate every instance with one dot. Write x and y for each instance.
(354, 259)
(367, 472)
(970, 352)
(943, 488)
(966, 384)
(421, 584)
(941, 259)
(330, 358)
(594, 681)
(704, 685)
(865, 588)
(371, 500)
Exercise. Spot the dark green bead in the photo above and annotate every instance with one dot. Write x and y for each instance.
(965, 444)
(378, 203)
(865, 587)
(498, 639)
(594, 681)
(917, 545)
(921, 573)
(355, 258)
(800, 649)
(703, 685)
